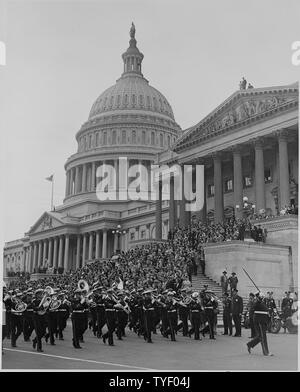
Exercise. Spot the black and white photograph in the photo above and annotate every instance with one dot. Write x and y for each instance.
(149, 188)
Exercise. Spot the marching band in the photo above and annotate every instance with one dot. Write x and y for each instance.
(45, 313)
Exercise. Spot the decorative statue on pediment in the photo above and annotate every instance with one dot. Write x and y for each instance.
(132, 31)
(250, 85)
(243, 84)
(251, 108)
(47, 222)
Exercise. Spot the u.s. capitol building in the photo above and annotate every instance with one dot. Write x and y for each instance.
(248, 146)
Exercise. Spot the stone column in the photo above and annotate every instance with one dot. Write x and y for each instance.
(50, 243)
(284, 185)
(78, 252)
(84, 249)
(91, 246)
(77, 183)
(84, 167)
(44, 251)
(39, 254)
(66, 257)
(30, 259)
(172, 205)
(115, 242)
(158, 213)
(55, 264)
(67, 183)
(104, 244)
(73, 181)
(93, 182)
(237, 183)
(60, 252)
(148, 231)
(218, 184)
(97, 253)
(116, 166)
(259, 176)
(35, 260)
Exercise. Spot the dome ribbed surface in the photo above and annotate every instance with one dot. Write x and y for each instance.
(131, 93)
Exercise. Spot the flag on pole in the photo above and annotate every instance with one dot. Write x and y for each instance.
(50, 178)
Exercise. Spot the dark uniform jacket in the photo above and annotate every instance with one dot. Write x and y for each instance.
(236, 305)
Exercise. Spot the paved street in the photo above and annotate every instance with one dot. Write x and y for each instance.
(225, 353)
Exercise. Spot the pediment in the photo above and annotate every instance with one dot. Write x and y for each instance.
(46, 222)
(244, 105)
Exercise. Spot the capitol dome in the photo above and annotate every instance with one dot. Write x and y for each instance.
(132, 91)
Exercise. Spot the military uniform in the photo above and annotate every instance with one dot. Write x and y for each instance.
(227, 318)
(148, 308)
(28, 322)
(261, 319)
(39, 324)
(78, 320)
(110, 316)
(195, 316)
(171, 308)
(16, 324)
(210, 304)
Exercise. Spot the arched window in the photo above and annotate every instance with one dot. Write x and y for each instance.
(114, 137)
(125, 100)
(152, 138)
(161, 139)
(133, 137)
(141, 101)
(118, 100)
(123, 137)
(133, 100)
(105, 138)
(143, 137)
(90, 141)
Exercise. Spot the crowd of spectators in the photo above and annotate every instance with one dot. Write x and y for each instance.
(160, 265)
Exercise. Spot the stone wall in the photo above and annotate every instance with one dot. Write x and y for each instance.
(268, 265)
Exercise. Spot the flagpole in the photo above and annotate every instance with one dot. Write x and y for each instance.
(52, 185)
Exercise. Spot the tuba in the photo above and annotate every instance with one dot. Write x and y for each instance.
(20, 306)
(83, 285)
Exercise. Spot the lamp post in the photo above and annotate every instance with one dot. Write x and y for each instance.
(118, 231)
(248, 209)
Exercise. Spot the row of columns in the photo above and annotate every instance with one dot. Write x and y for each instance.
(260, 199)
(57, 250)
(82, 178)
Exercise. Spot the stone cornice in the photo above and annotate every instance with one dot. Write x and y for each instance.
(278, 223)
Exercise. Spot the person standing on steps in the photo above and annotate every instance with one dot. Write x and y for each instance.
(224, 282)
(233, 281)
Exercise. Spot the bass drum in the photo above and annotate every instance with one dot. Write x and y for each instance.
(292, 323)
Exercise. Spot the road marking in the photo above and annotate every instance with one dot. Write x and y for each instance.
(78, 359)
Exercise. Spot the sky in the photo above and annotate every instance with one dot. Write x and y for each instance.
(61, 55)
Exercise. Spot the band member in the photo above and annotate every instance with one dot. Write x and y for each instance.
(209, 304)
(227, 319)
(7, 299)
(110, 315)
(100, 310)
(261, 319)
(183, 312)
(148, 307)
(121, 316)
(237, 311)
(134, 315)
(195, 307)
(171, 307)
(28, 323)
(51, 319)
(286, 308)
(85, 315)
(78, 306)
(63, 313)
(38, 319)
(164, 314)
(16, 320)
